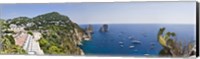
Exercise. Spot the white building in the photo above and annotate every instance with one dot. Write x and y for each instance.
(16, 28)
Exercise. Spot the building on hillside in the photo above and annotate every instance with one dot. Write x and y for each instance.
(16, 28)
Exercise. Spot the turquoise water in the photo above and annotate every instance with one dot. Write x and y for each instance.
(108, 43)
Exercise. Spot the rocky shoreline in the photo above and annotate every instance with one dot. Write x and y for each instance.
(85, 35)
(88, 31)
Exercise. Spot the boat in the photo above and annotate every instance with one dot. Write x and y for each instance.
(136, 42)
(120, 42)
(146, 54)
(131, 37)
(131, 46)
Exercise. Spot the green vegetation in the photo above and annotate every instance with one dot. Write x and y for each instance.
(172, 47)
(4, 25)
(7, 42)
(20, 21)
(9, 47)
(30, 33)
(8, 31)
(58, 34)
(1, 27)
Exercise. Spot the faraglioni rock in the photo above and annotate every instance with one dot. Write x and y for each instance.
(104, 28)
(89, 29)
(88, 32)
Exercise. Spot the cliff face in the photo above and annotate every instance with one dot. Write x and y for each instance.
(59, 34)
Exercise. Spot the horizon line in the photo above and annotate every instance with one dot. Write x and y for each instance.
(141, 23)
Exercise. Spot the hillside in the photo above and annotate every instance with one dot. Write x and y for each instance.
(59, 34)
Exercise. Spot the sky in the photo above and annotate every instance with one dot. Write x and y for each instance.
(109, 13)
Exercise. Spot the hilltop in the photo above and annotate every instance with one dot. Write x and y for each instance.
(59, 35)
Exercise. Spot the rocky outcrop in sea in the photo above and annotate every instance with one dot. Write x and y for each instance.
(89, 29)
(104, 28)
(88, 32)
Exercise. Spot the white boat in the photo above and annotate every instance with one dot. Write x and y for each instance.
(131, 38)
(136, 42)
(131, 46)
(146, 54)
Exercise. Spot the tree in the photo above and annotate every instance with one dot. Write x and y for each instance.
(20, 21)
(54, 50)
(9, 47)
(7, 41)
(171, 47)
(30, 33)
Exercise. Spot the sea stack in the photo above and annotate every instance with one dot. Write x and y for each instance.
(89, 29)
(88, 32)
(104, 28)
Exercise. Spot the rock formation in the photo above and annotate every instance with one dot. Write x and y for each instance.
(88, 32)
(89, 29)
(104, 28)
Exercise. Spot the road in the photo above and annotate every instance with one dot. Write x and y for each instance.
(31, 45)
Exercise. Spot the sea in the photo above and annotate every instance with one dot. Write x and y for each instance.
(118, 40)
